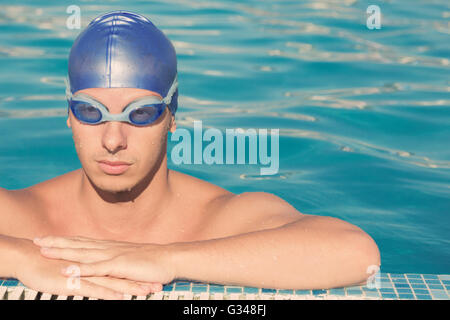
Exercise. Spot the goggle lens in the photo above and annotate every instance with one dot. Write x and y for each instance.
(85, 112)
(146, 114)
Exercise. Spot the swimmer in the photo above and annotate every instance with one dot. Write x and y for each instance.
(126, 223)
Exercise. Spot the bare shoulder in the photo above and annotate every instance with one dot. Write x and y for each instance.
(247, 212)
(23, 211)
(16, 210)
(194, 189)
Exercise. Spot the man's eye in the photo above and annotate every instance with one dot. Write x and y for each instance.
(88, 109)
(144, 114)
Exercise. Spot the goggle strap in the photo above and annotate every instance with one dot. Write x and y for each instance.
(172, 90)
(68, 92)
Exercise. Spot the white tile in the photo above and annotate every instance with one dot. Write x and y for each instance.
(2, 292)
(217, 296)
(15, 293)
(234, 296)
(250, 296)
(30, 294)
(173, 295)
(188, 296)
(46, 296)
(156, 296)
(204, 296)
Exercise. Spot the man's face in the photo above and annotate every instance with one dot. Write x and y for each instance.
(114, 141)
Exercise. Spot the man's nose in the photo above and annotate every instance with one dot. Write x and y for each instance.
(114, 138)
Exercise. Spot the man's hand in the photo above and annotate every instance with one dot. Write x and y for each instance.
(121, 260)
(41, 274)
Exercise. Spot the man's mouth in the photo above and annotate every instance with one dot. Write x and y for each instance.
(113, 167)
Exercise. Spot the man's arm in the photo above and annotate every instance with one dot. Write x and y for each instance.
(8, 245)
(306, 252)
(9, 256)
(11, 243)
(21, 259)
(256, 239)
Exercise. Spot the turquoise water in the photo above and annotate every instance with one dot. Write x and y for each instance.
(363, 114)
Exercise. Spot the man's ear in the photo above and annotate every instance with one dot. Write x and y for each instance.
(173, 124)
(69, 125)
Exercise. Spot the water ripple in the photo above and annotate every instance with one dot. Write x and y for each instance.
(32, 113)
(359, 146)
(335, 89)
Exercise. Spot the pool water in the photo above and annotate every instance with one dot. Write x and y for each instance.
(363, 114)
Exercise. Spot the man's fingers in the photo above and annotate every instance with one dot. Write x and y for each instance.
(105, 243)
(97, 269)
(126, 286)
(77, 286)
(82, 238)
(90, 289)
(82, 255)
(61, 242)
(155, 286)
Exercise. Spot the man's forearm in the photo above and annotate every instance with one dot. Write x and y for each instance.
(306, 254)
(9, 255)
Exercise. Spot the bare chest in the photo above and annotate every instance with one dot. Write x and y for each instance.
(180, 226)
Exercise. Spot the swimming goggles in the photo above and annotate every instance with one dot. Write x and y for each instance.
(141, 112)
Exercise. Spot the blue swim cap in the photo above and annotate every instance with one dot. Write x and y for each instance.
(121, 49)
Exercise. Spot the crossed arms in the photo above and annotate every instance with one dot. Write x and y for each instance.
(274, 247)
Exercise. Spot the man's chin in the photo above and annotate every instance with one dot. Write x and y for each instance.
(118, 189)
(114, 184)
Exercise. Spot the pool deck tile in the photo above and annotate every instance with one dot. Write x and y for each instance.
(390, 286)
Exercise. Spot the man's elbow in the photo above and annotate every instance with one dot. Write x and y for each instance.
(373, 253)
(361, 249)
(366, 256)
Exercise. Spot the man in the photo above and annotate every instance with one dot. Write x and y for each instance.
(127, 224)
